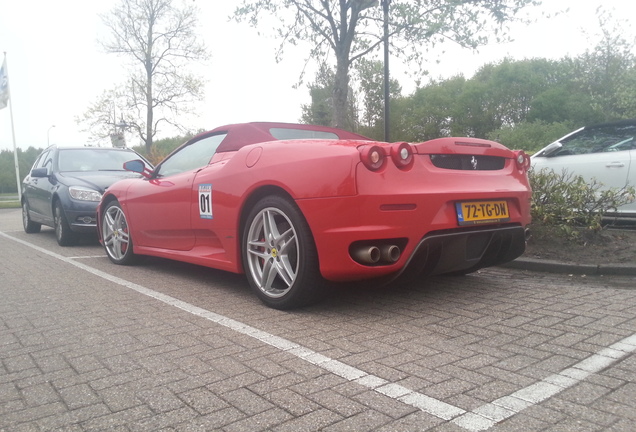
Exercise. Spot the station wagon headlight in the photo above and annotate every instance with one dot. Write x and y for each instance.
(84, 194)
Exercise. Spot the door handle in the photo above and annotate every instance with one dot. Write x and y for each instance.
(615, 165)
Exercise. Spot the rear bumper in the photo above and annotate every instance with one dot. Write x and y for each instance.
(427, 234)
(456, 251)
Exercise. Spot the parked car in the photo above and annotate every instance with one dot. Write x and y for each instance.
(605, 152)
(293, 206)
(64, 187)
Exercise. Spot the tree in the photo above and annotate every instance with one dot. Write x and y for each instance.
(107, 111)
(26, 158)
(367, 84)
(320, 110)
(530, 136)
(606, 71)
(352, 29)
(370, 75)
(158, 39)
(565, 103)
(428, 112)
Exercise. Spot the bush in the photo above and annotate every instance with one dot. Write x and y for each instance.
(530, 136)
(564, 203)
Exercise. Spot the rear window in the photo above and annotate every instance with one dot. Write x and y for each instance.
(289, 134)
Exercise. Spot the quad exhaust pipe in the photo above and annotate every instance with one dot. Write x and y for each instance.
(371, 255)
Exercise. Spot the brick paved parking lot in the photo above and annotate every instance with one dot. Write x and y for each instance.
(89, 346)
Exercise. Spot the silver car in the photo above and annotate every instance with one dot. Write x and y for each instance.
(605, 152)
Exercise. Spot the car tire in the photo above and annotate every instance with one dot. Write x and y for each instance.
(30, 227)
(116, 235)
(63, 233)
(279, 255)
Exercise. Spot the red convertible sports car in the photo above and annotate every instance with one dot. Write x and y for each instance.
(297, 206)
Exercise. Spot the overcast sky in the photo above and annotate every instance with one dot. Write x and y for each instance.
(56, 68)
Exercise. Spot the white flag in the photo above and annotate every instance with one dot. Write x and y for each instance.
(4, 85)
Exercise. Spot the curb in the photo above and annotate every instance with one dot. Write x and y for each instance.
(572, 268)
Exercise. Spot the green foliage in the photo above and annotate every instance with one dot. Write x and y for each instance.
(162, 148)
(565, 102)
(370, 76)
(567, 203)
(26, 158)
(320, 110)
(499, 98)
(14, 203)
(529, 103)
(431, 112)
(606, 68)
(348, 31)
(530, 136)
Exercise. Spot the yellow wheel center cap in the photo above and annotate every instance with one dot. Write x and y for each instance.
(274, 253)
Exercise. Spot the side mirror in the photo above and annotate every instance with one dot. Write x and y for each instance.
(137, 166)
(40, 172)
(552, 148)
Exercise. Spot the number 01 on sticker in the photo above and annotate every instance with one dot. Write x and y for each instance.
(205, 201)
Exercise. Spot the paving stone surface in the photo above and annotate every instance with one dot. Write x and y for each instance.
(89, 346)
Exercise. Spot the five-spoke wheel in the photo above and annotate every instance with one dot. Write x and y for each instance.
(279, 254)
(116, 235)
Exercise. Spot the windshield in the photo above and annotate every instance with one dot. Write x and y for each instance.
(608, 138)
(196, 154)
(87, 159)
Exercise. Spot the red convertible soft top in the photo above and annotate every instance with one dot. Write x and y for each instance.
(242, 134)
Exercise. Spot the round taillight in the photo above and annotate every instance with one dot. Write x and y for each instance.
(523, 160)
(372, 157)
(402, 155)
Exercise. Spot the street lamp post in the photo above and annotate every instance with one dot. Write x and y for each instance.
(385, 7)
(48, 136)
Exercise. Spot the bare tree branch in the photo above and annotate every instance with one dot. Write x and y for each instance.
(158, 39)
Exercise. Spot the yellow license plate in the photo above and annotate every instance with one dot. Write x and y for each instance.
(480, 212)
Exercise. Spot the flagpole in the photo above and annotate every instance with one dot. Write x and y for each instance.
(15, 148)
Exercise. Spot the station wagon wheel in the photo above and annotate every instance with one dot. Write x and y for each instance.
(30, 227)
(116, 235)
(63, 233)
(279, 255)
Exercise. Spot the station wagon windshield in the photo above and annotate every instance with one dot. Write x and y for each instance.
(83, 159)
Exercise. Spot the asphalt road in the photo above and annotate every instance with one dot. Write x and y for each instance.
(89, 346)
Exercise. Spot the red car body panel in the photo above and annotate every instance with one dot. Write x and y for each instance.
(408, 204)
(343, 202)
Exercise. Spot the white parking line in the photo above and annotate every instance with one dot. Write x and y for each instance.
(500, 409)
(479, 419)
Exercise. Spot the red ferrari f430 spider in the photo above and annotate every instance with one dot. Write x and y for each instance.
(295, 207)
